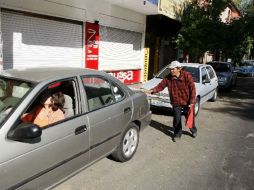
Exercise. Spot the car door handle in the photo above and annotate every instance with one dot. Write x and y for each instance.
(80, 129)
(126, 110)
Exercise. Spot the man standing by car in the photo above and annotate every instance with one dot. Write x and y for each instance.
(182, 93)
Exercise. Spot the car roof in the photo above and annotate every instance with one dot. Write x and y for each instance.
(196, 65)
(39, 74)
(219, 62)
(248, 61)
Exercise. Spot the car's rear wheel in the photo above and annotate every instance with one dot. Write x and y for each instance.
(197, 106)
(128, 144)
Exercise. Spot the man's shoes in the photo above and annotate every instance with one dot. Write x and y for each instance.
(176, 138)
(193, 131)
(194, 134)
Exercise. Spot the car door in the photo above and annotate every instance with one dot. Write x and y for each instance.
(213, 78)
(62, 148)
(207, 88)
(109, 112)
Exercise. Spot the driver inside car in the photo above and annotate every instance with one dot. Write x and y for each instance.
(50, 110)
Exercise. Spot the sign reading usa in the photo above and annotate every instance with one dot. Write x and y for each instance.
(127, 76)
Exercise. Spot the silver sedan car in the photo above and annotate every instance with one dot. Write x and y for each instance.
(206, 83)
(102, 117)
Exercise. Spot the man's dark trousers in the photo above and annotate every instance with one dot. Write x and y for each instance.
(177, 120)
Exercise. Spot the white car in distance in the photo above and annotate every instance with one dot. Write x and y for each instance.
(205, 79)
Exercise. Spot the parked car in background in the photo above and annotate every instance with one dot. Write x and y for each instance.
(205, 79)
(246, 68)
(102, 117)
(226, 75)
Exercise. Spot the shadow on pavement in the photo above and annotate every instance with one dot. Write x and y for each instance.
(158, 111)
(168, 130)
(240, 101)
(243, 90)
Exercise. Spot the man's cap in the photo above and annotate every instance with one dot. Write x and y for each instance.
(174, 64)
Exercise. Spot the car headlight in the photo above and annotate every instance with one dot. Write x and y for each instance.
(222, 79)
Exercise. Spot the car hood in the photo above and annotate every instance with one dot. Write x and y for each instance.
(224, 74)
(151, 83)
(155, 81)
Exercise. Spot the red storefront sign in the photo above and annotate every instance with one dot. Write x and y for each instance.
(127, 76)
(92, 45)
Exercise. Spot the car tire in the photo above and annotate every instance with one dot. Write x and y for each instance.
(229, 88)
(235, 83)
(128, 144)
(215, 95)
(197, 106)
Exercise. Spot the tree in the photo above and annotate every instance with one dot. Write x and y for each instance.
(243, 28)
(202, 30)
(239, 41)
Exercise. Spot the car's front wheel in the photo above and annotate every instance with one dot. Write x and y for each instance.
(128, 144)
(235, 82)
(229, 88)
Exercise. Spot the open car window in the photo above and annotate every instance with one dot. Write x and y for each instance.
(11, 93)
(56, 102)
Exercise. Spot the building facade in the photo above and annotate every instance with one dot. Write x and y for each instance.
(106, 35)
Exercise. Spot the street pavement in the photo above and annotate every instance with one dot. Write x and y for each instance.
(221, 157)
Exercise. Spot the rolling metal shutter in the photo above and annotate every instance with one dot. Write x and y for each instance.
(32, 41)
(119, 49)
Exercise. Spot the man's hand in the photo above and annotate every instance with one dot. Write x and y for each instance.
(191, 105)
(148, 91)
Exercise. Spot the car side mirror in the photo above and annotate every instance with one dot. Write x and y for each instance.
(26, 132)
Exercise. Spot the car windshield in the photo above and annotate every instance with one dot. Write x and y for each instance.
(220, 67)
(11, 93)
(163, 73)
(192, 70)
(247, 63)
